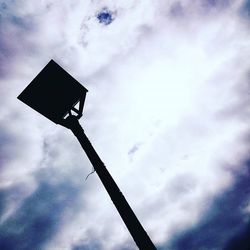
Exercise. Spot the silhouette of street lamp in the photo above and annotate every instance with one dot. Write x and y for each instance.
(57, 95)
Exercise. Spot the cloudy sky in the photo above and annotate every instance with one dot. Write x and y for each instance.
(167, 110)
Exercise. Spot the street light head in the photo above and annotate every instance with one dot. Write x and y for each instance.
(54, 93)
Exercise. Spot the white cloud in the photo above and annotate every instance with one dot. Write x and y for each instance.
(172, 85)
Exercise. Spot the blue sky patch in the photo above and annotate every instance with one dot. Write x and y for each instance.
(105, 16)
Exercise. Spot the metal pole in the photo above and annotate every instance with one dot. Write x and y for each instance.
(135, 228)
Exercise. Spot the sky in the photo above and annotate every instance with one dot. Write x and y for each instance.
(167, 111)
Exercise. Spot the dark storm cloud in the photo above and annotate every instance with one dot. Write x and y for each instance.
(240, 241)
(176, 9)
(3, 198)
(179, 9)
(5, 54)
(13, 30)
(38, 218)
(224, 225)
(6, 140)
(9, 14)
(92, 245)
(10, 146)
(216, 3)
(246, 8)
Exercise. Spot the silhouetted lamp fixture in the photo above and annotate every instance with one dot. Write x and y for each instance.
(57, 95)
(54, 93)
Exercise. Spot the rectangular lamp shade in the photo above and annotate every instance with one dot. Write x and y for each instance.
(53, 92)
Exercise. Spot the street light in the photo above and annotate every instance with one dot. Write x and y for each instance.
(55, 94)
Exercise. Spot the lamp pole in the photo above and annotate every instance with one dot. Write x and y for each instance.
(135, 228)
(54, 93)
